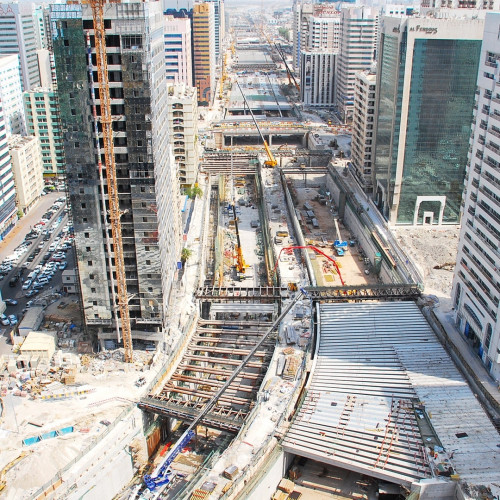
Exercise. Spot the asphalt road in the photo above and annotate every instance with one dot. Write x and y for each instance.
(8, 246)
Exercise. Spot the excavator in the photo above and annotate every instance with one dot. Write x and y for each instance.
(271, 160)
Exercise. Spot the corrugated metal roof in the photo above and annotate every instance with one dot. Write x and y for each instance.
(374, 362)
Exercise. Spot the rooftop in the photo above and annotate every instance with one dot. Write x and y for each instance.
(20, 141)
(384, 396)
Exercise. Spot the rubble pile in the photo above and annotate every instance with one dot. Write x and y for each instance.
(62, 375)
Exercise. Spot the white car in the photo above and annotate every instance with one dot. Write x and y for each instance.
(4, 320)
(27, 284)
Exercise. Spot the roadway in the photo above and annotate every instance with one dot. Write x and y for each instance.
(7, 247)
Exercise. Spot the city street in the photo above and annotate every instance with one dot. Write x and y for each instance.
(22, 268)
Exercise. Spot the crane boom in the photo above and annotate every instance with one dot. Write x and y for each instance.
(288, 70)
(109, 159)
(271, 162)
(317, 250)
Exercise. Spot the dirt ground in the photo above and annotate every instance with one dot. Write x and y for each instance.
(434, 252)
(351, 265)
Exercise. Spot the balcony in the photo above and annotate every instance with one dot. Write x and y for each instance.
(490, 212)
(490, 163)
(493, 147)
(495, 116)
(494, 132)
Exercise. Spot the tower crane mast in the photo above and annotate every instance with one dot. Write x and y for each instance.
(114, 213)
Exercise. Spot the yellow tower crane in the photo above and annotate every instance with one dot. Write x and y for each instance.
(114, 213)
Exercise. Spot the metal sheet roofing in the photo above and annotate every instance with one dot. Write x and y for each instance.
(376, 363)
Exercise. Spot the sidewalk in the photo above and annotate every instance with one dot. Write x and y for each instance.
(472, 363)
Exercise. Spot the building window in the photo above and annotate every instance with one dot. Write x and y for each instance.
(487, 339)
(89, 263)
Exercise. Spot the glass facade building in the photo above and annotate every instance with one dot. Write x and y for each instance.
(145, 171)
(426, 86)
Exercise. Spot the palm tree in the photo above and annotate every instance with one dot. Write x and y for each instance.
(185, 254)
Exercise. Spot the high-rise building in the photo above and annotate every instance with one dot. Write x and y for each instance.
(43, 120)
(321, 28)
(219, 26)
(27, 170)
(358, 43)
(363, 135)
(476, 283)
(296, 33)
(11, 95)
(18, 36)
(426, 79)
(183, 122)
(317, 78)
(39, 15)
(178, 59)
(8, 210)
(318, 45)
(145, 172)
(204, 50)
(315, 27)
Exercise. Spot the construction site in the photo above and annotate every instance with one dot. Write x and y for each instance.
(302, 357)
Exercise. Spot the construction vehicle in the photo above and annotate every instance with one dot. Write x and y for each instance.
(240, 261)
(271, 161)
(339, 245)
(114, 213)
(288, 70)
(317, 250)
(163, 473)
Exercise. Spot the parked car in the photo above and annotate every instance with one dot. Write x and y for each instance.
(27, 284)
(13, 319)
(11, 302)
(4, 320)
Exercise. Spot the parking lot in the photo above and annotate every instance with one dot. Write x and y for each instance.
(32, 260)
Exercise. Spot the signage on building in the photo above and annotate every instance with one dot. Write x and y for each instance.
(424, 29)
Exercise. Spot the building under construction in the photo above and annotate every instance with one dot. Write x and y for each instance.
(144, 170)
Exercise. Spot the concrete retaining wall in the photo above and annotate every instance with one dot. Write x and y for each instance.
(269, 481)
(108, 468)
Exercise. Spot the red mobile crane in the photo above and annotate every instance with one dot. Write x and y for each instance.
(317, 250)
